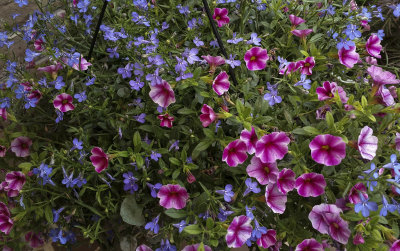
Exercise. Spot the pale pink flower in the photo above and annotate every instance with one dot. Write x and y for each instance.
(328, 150)
(3, 113)
(374, 46)
(272, 147)
(317, 216)
(235, 153)
(250, 139)
(349, 57)
(355, 191)
(275, 199)
(268, 239)
(162, 94)
(307, 65)
(256, 58)
(296, 20)
(309, 245)
(221, 83)
(367, 143)
(286, 180)
(208, 115)
(84, 65)
(338, 228)
(63, 102)
(301, 33)
(195, 247)
(99, 159)
(20, 146)
(214, 62)
(221, 16)
(173, 196)
(52, 69)
(264, 173)
(371, 60)
(238, 231)
(166, 120)
(15, 180)
(310, 184)
(381, 77)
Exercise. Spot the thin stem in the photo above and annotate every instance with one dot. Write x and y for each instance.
(96, 32)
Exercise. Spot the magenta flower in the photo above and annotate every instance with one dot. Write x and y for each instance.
(4, 210)
(301, 33)
(307, 65)
(20, 146)
(329, 90)
(3, 151)
(275, 199)
(208, 115)
(15, 180)
(358, 239)
(250, 139)
(235, 153)
(296, 20)
(99, 159)
(317, 216)
(256, 58)
(310, 184)
(143, 247)
(38, 44)
(63, 102)
(83, 66)
(381, 77)
(348, 57)
(194, 247)
(238, 231)
(221, 83)
(355, 191)
(371, 60)
(214, 62)
(173, 196)
(286, 180)
(52, 69)
(264, 173)
(395, 246)
(291, 67)
(166, 120)
(338, 228)
(34, 240)
(367, 143)
(268, 239)
(328, 150)
(272, 147)
(221, 16)
(309, 245)
(374, 46)
(162, 94)
(3, 113)
(6, 223)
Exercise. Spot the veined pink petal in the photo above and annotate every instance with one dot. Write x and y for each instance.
(338, 228)
(235, 153)
(268, 239)
(221, 83)
(374, 46)
(286, 180)
(265, 173)
(99, 159)
(397, 141)
(256, 58)
(6, 224)
(310, 184)
(307, 65)
(355, 191)
(272, 147)
(250, 139)
(317, 214)
(275, 199)
(367, 143)
(309, 245)
(194, 247)
(221, 16)
(301, 33)
(328, 150)
(349, 57)
(173, 196)
(208, 115)
(296, 20)
(382, 77)
(20, 146)
(162, 94)
(3, 113)
(143, 247)
(238, 231)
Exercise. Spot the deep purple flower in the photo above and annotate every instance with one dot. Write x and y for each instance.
(126, 71)
(154, 189)
(348, 57)
(221, 16)
(130, 182)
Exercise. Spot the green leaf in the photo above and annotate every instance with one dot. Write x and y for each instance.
(364, 101)
(203, 145)
(175, 213)
(175, 161)
(213, 243)
(311, 130)
(201, 246)
(137, 141)
(25, 166)
(304, 53)
(48, 214)
(186, 111)
(193, 229)
(176, 173)
(316, 38)
(329, 120)
(131, 212)
(209, 223)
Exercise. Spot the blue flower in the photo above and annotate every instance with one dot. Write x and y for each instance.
(183, 9)
(272, 97)
(304, 82)
(393, 164)
(136, 84)
(56, 214)
(79, 181)
(386, 207)
(166, 246)
(223, 215)
(254, 39)
(140, 118)
(21, 3)
(60, 116)
(198, 42)
(396, 10)
(77, 144)
(90, 81)
(130, 182)
(365, 206)
(371, 184)
(83, 5)
(154, 78)
(155, 155)
(191, 55)
(154, 189)
(30, 55)
(80, 96)
(227, 193)
(43, 172)
(57, 235)
(113, 52)
(251, 187)
(75, 18)
(214, 44)
(258, 231)
(345, 43)
(232, 62)
(153, 225)
(352, 31)
(380, 34)
(249, 212)
(68, 180)
(181, 225)
(234, 39)
(126, 71)
(30, 102)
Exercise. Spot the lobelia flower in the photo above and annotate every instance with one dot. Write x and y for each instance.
(256, 58)
(264, 173)
(162, 94)
(63, 102)
(195, 247)
(258, 230)
(166, 120)
(348, 57)
(309, 245)
(221, 83)
(99, 159)
(232, 62)
(35, 240)
(304, 82)
(386, 207)
(227, 193)
(3, 151)
(272, 147)
(307, 65)
(251, 187)
(367, 143)
(238, 231)
(286, 180)
(296, 20)
(301, 33)
(374, 46)
(20, 146)
(153, 225)
(143, 247)
(181, 225)
(172, 196)
(3, 113)
(365, 206)
(221, 16)
(250, 139)
(141, 118)
(268, 239)
(214, 62)
(235, 153)
(358, 188)
(154, 189)
(328, 150)
(130, 182)
(310, 185)
(275, 199)
(254, 39)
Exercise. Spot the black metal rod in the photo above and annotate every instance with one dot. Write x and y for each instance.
(216, 34)
(96, 32)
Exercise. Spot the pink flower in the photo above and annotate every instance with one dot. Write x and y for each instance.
(35, 240)
(38, 44)
(214, 62)
(238, 231)
(328, 150)
(301, 33)
(272, 147)
(166, 120)
(327, 91)
(208, 115)
(291, 67)
(173, 196)
(395, 246)
(286, 180)
(143, 247)
(6, 223)
(15, 180)
(386, 96)
(310, 184)
(3, 113)
(307, 65)
(20, 146)
(358, 239)
(4, 210)
(235, 153)
(3, 151)
(309, 245)
(349, 57)
(221, 16)
(338, 228)
(84, 65)
(397, 141)
(256, 58)
(268, 239)
(317, 216)
(381, 77)
(367, 144)
(371, 60)
(52, 69)
(354, 194)
(63, 102)
(265, 173)
(296, 20)
(250, 139)
(162, 94)
(221, 83)
(74, 2)
(99, 159)
(374, 46)
(195, 247)
(275, 199)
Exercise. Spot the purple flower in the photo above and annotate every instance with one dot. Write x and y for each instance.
(232, 62)
(155, 155)
(272, 147)
(249, 212)
(68, 180)
(265, 173)
(79, 181)
(140, 118)
(352, 31)
(198, 42)
(80, 96)
(258, 231)
(136, 84)
(272, 97)
(328, 150)
(227, 193)
(310, 184)
(386, 207)
(181, 65)
(83, 5)
(56, 214)
(254, 39)
(223, 215)
(181, 225)
(393, 164)
(191, 55)
(126, 71)
(345, 43)
(21, 3)
(251, 187)
(235, 153)
(154, 189)
(153, 225)
(365, 206)
(304, 82)
(130, 182)
(234, 39)
(113, 52)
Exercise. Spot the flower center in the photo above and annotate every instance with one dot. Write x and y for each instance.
(335, 225)
(24, 145)
(253, 58)
(266, 168)
(307, 64)
(64, 101)
(218, 18)
(326, 147)
(330, 94)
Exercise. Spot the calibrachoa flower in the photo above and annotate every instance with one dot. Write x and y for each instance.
(250, 139)
(3, 151)
(301, 33)
(173, 196)
(15, 180)
(63, 102)
(166, 120)
(265, 173)
(328, 91)
(214, 62)
(162, 94)
(397, 141)
(143, 247)
(310, 184)
(309, 245)
(256, 58)
(307, 65)
(275, 199)
(354, 196)
(328, 150)
(272, 147)
(367, 143)
(348, 57)
(3, 113)
(35, 240)
(268, 239)
(374, 46)
(381, 77)
(286, 180)
(208, 115)
(20, 146)
(296, 20)
(195, 247)
(238, 231)
(221, 83)
(396, 245)
(358, 239)
(99, 159)
(235, 153)
(221, 16)
(6, 223)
